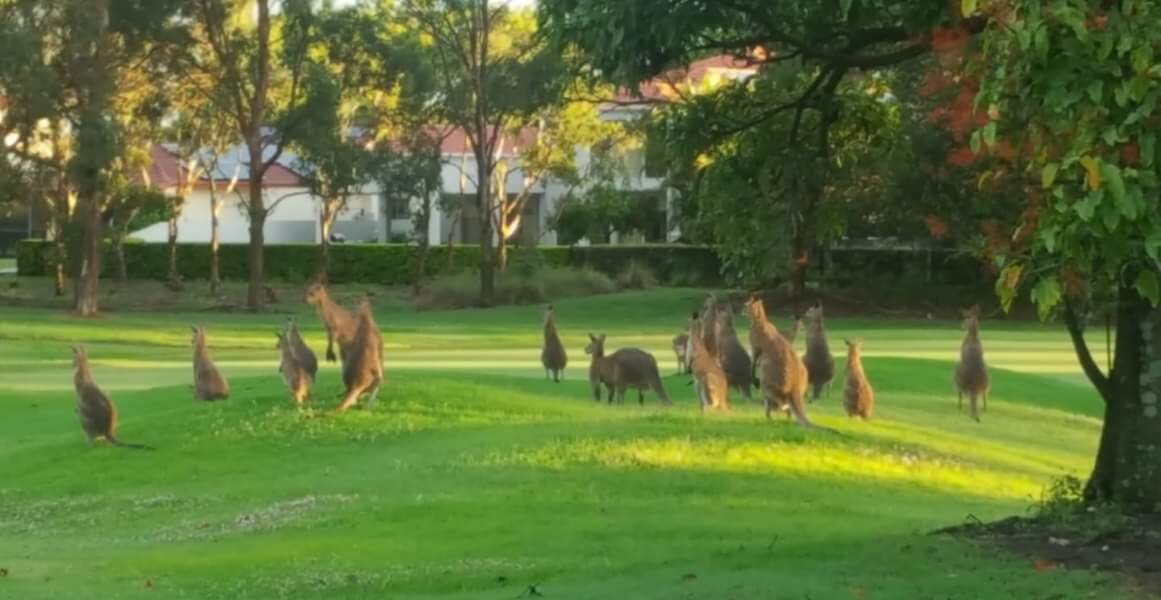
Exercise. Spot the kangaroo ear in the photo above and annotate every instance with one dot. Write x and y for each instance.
(193, 329)
(592, 337)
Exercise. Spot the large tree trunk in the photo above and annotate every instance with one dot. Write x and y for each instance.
(255, 294)
(85, 300)
(799, 265)
(215, 242)
(1127, 469)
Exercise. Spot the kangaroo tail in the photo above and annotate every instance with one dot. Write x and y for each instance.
(800, 415)
(117, 442)
(816, 390)
(660, 391)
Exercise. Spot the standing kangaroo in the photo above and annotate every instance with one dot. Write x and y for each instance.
(363, 362)
(680, 342)
(302, 352)
(209, 384)
(293, 369)
(784, 376)
(971, 374)
(552, 356)
(756, 352)
(858, 397)
(818, 359)
(709, 378)
(623, 369)
(339, 323)
(96, 411)
(735, 361)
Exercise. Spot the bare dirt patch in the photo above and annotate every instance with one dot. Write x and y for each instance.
(1130, 549)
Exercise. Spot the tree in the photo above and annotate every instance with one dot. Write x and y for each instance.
(493, 75)
(1067, 96)
(806, 51)
(257, 64)
(408, 170)
(328, 129)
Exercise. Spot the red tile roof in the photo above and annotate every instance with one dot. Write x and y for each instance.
(659, 88)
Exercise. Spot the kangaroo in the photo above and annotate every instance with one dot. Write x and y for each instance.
(784, 376)
(302, 352)
(858, 397)
(339, 322)
(96, 411)
(623, 369)
(755, 352)
(734, 359)
(552, 356)
(971, 374)
(711, 381)
(209, 384)
(363, 361)
(818, 359)
(680, 341)
(293, 369)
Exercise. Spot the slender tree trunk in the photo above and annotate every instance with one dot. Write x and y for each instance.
(424, 225)
(799, 265)
(173, 277)
(122, 265)
(215, 242)
(59, 255)
(326, 225)
(484, 204)
(86, 301)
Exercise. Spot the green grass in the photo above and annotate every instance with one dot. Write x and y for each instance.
(475, 478)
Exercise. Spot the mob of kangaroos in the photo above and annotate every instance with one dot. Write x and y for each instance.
(363, 362)
(209, 384)
(96, 411)
(971, 374)
(626, 368)
(339, 323)
(552, 356)
(818, 359)
(710, 381)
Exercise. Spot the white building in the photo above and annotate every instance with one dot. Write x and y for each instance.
(295, 213)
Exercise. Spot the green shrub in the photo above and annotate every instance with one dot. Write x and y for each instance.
(388, 264)
(636, 276)
(462, 290)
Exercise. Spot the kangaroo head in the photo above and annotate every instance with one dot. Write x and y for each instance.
(755, 308)
(548, 314)
(281, 340)
(199, 336)
(315, 293)
(814, 312)
(971, 318)
(596, 345)
(855, 344)
(80, 355)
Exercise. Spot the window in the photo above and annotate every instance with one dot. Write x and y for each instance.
(396, 209)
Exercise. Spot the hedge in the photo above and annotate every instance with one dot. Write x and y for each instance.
(387, 264)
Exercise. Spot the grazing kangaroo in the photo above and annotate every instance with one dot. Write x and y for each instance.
(293, 369)
(858, 397)
(96, 411)
(971, 374)
(363, 361)
(680, 341)
(552, 356)
(818, 359)
(784, 376)
(623, 369)
(209, 384)
(735, 361)
(302, 352)
(339, 322)
(710, 379)
(755, 352)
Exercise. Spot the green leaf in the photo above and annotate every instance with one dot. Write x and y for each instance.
(1148, 286)
(1048, 238)
(1085, 209)
(845, 7)
(989, 134)
(967, 7)
(1046, 295)
(1116, 186)
(974, 142)
(1048, 175)
(1153, 245)
(1110, 136)
(1092, 172)
(1148, 145)
(1096, 90)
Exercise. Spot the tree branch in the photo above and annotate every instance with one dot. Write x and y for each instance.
(1100, 380)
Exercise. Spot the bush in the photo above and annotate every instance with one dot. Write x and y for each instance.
(390, 264)
(636, 276)
(463, 290)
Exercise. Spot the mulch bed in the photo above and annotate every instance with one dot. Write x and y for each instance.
(1131, 550)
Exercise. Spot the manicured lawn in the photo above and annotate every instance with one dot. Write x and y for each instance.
(475, 478)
